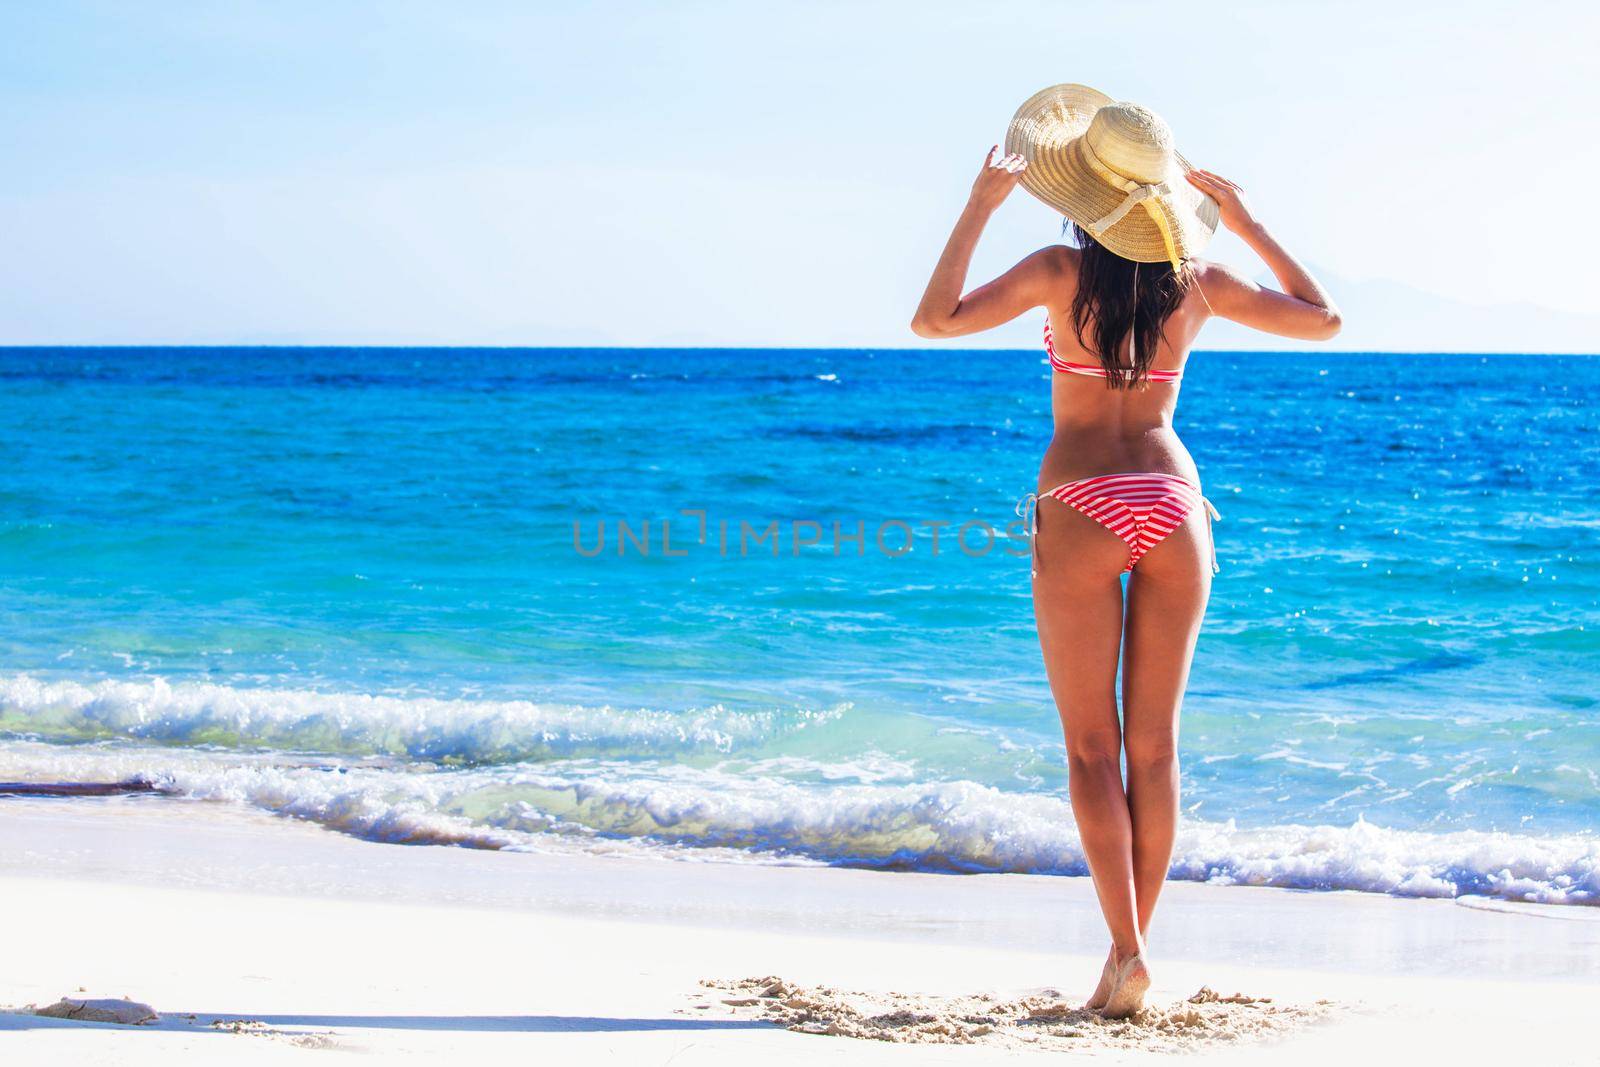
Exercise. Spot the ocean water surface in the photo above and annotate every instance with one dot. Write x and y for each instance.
(368, 588)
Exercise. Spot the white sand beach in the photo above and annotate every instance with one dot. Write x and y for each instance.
(262, 939)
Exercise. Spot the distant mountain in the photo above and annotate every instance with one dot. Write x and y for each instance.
(1382, 316)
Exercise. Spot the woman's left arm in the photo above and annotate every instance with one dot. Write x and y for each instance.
(944, 312)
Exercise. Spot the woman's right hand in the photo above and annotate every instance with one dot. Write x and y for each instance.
(997, 179)
(1235, 210)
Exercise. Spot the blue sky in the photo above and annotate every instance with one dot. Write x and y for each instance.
(752, 173)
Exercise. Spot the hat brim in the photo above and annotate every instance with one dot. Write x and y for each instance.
(1047, 131)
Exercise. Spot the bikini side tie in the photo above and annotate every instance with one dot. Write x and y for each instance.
(1212, 515)
(1027, 510)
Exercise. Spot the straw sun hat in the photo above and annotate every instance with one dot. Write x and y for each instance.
(1110, 167)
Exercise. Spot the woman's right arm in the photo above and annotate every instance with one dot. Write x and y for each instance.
(944, 311)
(1304, 310)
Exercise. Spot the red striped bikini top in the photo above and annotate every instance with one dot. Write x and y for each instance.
(1093, 371)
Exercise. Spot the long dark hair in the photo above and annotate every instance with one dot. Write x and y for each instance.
(1117, 297)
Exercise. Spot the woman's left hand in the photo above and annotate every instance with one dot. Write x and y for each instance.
(997, 179)
(1231, 204)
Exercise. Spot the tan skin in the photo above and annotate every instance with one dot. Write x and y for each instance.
(1127, 827)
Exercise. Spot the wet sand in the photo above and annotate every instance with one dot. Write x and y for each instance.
(261, 938)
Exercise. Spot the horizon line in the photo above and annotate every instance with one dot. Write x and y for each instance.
(90, 346)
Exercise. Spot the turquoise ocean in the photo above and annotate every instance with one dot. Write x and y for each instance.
(597, 600)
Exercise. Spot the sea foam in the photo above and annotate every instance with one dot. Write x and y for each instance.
(730, 812)
(357, 724)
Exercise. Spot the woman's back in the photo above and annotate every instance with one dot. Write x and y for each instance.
(1099, 429)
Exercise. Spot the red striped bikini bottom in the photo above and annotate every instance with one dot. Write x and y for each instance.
(1142, 509)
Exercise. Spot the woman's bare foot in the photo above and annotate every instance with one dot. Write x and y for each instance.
(1102, 992)
(1128, 988)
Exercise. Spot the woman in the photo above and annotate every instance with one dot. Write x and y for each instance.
(1118, 492)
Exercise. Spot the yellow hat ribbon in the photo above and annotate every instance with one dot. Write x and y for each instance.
(1137, 193)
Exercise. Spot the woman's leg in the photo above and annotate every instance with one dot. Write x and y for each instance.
(1167, 595)
(1077, 601)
